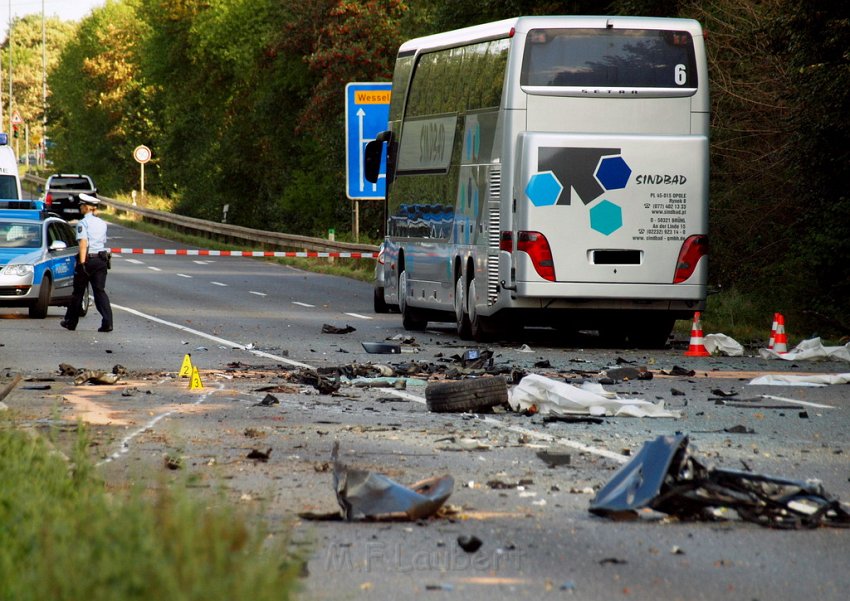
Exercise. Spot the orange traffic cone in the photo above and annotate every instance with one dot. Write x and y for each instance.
(772, 340)
(697, 345)
(780, 342)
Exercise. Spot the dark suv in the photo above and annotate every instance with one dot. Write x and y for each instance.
(61, 193)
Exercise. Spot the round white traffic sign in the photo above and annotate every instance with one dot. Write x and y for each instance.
(142, 154)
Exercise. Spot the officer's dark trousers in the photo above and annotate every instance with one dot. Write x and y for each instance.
(94, 274)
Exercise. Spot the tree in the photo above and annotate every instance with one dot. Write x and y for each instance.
(100, 111)
(27, 68)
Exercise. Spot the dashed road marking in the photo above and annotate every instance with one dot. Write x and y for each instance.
(257, 293)
(217, 339)
(303, 304)
(527, 432)
(219, 284)
(358, 316)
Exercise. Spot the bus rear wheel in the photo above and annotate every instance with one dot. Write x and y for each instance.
(411, 318)
(480, 327)
(464, 327)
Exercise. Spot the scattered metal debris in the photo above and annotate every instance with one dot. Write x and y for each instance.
(364, 494)
(96, 377)
(666, 477)
(329, 329)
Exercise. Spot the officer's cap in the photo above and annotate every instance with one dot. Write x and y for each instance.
(88, 199)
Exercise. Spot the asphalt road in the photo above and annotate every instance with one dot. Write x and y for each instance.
(251, 326)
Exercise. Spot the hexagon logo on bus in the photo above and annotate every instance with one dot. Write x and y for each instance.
(606, 217)
(543, 189)
(613, 173)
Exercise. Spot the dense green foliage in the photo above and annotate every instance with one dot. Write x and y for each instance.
(242, 104)
(63, 537)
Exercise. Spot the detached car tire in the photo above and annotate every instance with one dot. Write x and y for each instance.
(480, 394)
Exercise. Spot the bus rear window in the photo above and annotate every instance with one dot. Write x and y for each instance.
(609, 58)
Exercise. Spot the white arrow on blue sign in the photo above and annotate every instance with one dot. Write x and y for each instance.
(367, 111)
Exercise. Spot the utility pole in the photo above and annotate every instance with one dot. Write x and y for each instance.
(10, 65)
(41, 155)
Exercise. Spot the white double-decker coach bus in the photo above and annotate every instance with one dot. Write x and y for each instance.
(548, 171)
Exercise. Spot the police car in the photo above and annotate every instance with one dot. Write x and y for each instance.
(38, 253)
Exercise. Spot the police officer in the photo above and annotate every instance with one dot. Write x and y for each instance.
(92, 263)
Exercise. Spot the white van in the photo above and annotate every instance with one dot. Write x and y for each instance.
(10, 180)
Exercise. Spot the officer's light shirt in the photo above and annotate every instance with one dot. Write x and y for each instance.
(93, 229)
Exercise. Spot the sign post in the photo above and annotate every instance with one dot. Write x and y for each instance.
(367, 111)
(142, 154)
(17, 121)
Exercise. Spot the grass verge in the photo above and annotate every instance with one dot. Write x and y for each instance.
(63, 537)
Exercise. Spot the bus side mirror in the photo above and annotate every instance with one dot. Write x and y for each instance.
(372, 157)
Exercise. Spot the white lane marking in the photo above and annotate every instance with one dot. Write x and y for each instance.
(532, 433)
(218, 284)
(358, 316)
(201, 262)
(152, 268)
(302, 304)
(183, 275)
(222, 341)
(257, 293)
(795, 401)
(125, 443)
(135, 261)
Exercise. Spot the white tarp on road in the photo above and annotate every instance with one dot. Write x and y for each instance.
(548, 396)
(800, 380)
(811, 349)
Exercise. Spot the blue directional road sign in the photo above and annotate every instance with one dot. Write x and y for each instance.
(367, 111)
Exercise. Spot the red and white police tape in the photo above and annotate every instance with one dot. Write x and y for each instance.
(188, 252)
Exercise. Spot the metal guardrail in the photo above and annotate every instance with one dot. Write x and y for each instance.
(225, 232)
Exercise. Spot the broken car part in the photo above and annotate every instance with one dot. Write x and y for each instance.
(666, 477)
(364, 494)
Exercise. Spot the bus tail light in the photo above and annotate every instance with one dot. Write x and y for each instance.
(693, 249)
(506, 241)
(537, 247)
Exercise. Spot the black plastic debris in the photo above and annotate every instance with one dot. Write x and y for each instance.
(381, 348)
(268, 401)
(666, 477)
(680, 371)
(573, 419)
(363, 494)
(722, 393)
(468, 543)
(555, 458)
(258, 455)
(329, 329)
